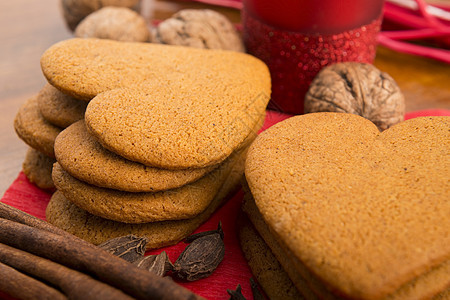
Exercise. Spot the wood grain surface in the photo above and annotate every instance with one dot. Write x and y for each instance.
(28, 28)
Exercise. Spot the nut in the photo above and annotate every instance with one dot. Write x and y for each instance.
(199, 28)
(76, 10)
(114, 23)
(357, 88)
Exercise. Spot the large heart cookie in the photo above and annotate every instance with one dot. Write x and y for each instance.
(364, 212)
(163, 106)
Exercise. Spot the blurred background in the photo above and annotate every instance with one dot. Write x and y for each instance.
(28, 28)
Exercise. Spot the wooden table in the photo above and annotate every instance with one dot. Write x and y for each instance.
(27, 28)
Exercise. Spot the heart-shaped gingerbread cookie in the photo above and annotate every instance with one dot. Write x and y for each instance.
(163, 106)
(363, 214)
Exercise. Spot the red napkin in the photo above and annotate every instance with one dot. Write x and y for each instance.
(232, 271)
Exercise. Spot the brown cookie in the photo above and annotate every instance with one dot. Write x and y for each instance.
(181, 203)
(265, 267)
(33, 129)
(38, 168)
(60, 109)
(445, 295)
(82, 156)
(431, 284)
(86, 67)
(339, 195)
(182, 135)
(427, 285)
(306, 284)
(65, 215)
(163, 106)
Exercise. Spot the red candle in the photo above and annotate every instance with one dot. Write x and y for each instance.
(296, 38)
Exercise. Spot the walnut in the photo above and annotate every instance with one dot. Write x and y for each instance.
(76, 10)
(200, 28)
(114, 23)
(357, 88)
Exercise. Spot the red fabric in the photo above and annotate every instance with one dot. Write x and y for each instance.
(232, 271)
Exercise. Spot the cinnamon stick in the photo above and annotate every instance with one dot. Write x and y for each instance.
(21, 286)
(74, 284)
(11, 213)
(103, 265)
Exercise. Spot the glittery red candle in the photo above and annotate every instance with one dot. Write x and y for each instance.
(296, 38)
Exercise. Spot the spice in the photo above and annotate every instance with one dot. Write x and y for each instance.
(74, 284)
(195, 236)
(114, 23)
(198, 28)
(21, 286)
(129, 247)
(76, 10)
(236, 294)
(201, 257)
(357, 88)
(79, 255)
(10, 213)
(158, 264)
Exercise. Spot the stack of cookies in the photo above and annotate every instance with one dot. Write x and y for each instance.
(39, 120)
(163, 138)
(339, 210)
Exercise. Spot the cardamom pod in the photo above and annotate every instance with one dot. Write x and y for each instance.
(129, 247)
(159, 264)
(195, 236)
(201, 257)
(236, 294)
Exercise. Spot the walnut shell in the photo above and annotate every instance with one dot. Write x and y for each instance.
(200, 28)
(357, 88)
(76, 10)
(114, 23)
